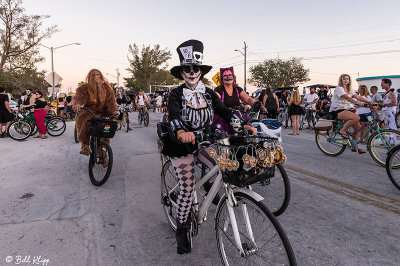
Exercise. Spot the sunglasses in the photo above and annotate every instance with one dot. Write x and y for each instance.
(188, 69)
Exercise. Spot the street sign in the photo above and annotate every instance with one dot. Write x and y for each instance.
(216, 78)
(57, 78)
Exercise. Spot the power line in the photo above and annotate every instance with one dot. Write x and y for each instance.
(331, 47)
(349, 55)
(331, 33)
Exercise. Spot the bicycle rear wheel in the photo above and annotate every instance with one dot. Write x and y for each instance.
(169, 193)
(393, 166)
(379, 144)
(56, 126)
(100, 163)
(254, 221)
(327, 147)
(19, 130)
(275, 191)
(146, 119)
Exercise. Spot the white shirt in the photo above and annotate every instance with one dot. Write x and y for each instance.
(364, 110)
(159, 100)
(309, 98)
(141, 100)
(338, 102)
(386, 100)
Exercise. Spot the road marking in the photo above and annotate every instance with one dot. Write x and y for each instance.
(350, 191)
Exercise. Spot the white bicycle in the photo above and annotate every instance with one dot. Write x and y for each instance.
(247, 232)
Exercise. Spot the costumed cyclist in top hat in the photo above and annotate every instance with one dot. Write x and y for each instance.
(191, 108)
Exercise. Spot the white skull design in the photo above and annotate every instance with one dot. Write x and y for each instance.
(192, 78)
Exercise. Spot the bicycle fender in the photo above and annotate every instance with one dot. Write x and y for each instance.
(249, 192)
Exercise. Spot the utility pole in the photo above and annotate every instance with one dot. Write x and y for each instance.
(245, 55)
(118, 74)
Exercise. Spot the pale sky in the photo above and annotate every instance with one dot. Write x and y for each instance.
(310, 29)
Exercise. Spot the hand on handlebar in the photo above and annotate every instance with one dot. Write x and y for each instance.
(253, 130)
(187, 137)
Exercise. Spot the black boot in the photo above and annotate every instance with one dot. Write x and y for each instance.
(182, 239)
(207, 186)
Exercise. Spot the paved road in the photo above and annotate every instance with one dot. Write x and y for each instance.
(343, 211)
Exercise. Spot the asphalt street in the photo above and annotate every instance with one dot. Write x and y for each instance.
(343, 210)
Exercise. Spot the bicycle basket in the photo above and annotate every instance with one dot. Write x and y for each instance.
(271, 123)
(250, 161)
(102, 128)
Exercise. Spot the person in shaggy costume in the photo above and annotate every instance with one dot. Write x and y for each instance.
(97, 95)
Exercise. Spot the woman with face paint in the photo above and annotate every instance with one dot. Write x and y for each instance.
(191, 108)
(231, 95)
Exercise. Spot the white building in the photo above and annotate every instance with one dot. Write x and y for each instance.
(376, 81)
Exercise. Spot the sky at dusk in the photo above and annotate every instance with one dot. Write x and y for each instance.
(361, 38)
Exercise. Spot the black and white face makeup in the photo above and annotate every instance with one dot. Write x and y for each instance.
(191, 75)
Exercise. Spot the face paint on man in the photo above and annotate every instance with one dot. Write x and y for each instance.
(191, 75)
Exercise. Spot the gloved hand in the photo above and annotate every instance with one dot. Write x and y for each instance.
(237, 123)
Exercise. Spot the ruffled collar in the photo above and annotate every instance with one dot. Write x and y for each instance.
(191, 95)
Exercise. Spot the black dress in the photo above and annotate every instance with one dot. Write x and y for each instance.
(295, 109)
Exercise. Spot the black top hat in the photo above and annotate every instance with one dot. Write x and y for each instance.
(190, 53)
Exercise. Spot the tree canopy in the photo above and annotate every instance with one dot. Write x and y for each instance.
(148, 66)
(20, 36)
(276, 73)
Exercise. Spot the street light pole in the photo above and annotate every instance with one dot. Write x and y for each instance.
(245, 55)
(52, 62)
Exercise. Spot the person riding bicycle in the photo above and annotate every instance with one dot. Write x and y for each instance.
(342, 101)
(97, 95)
(191, 108)
(122, 99)
(323, 97)
(310, 100)
(141, 101)
(231, 95)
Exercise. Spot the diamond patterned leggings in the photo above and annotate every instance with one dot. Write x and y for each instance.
(184, 169)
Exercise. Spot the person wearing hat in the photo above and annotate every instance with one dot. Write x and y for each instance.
(231, 95)
(191, 108)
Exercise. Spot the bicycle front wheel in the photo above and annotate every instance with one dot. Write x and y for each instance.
(262, 237)
(146, 119)
(393, 166)
(100, 163)
(19, 130)
(379, 143)
(126, 123)
(275, 190)
(56, 126)
(169, 193)
(76, 135)
(327, 147)
(301, 122)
